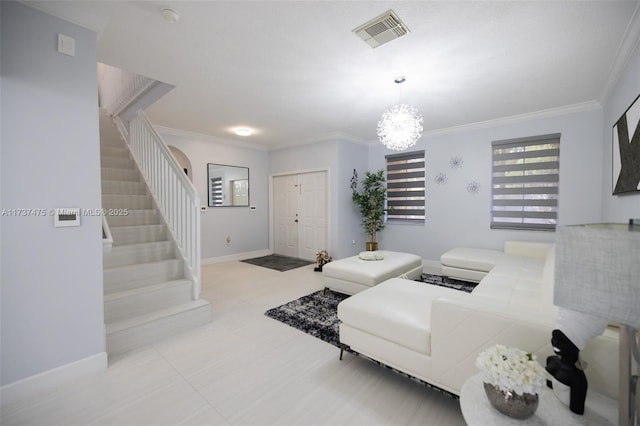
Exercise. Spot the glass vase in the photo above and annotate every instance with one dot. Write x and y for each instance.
(510, 403)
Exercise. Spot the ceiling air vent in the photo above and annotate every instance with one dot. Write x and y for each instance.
(382, 29)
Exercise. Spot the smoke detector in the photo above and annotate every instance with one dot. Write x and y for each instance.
(382, 29)
(169, 15)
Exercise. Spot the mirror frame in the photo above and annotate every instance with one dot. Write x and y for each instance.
(225, 191)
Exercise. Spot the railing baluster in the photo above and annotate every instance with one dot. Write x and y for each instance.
(173, 191)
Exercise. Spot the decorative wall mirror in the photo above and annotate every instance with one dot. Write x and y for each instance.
(228, 185)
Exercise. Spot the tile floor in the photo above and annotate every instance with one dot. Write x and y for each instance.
(241, 369)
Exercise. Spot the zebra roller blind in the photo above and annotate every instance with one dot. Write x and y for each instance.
(525, 183)
(406, 187)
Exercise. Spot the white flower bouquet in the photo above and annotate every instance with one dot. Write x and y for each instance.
(511, 370)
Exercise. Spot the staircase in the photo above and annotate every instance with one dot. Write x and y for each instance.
(146, 294)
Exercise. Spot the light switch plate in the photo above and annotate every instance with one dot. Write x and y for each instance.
(66, 45)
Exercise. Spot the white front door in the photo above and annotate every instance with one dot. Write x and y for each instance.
(300, 214)
(285, 193)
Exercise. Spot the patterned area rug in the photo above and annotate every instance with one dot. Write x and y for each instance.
(278, 262)
(317, 313)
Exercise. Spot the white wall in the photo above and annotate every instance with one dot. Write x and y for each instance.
(52, 295)
(349, 226)
(619, 208)
(455, 217)
(248, 230)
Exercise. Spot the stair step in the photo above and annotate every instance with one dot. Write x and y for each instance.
(110, 137)
(118, 163)
(123, 187)
(135, 217)
(139, 253)
(114, 151)
(143, 300)
(135, 202)
(136, 234)
(109, 173)
(145, 329)
(128, 277)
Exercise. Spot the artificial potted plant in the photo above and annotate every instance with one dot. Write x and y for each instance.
(371, 202)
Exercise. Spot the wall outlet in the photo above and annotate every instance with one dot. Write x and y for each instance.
(353, 242)
(228, 240)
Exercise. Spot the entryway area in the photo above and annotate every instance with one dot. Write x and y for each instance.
(300, 211)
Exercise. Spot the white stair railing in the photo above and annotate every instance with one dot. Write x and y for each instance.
(173, 192)
(107, 238)
(118, 88)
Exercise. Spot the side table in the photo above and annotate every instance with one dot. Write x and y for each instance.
(478, 411)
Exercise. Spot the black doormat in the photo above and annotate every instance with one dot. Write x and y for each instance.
(317, 313)
(278, 262)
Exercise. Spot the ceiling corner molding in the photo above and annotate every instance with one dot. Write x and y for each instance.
(71, 12)
(547, 113)
(336, 136)
(630, 42)
(187, 134)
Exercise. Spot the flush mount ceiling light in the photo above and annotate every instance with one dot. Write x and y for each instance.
(169, 15)
(243, 131)
(400, 126)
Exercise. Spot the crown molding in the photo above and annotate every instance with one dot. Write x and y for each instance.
(327, 137)
(630, 42)
(207, 138)
(70, 12)
(547, 113)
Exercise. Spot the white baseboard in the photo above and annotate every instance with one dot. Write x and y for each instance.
(237, 256)
(431, 267)
(52, 379)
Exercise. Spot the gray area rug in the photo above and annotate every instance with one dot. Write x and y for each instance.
(278, 262)
(317, 313)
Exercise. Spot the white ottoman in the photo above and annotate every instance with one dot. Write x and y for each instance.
(352, 274)
(469, 264)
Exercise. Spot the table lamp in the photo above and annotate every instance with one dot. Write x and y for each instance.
(598, 274)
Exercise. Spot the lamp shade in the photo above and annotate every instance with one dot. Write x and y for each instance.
(598, 271)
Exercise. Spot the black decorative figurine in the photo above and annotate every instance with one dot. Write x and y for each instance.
(566, 368)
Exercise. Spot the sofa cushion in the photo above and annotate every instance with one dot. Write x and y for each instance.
(471, 258)
(397, 310)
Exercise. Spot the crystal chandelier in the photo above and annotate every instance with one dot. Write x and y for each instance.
(400, 126)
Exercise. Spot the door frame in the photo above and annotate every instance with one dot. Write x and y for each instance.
(327, 170)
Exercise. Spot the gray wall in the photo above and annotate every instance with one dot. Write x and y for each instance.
(619, 208)
(248, 230)
(456, 217)
(52, 303)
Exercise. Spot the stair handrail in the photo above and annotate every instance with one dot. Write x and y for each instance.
(174, 194)
(107, 238)
(118, 88)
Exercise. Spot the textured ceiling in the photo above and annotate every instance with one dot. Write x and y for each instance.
(295, 72)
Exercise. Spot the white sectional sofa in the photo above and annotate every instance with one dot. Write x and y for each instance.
(435, 333)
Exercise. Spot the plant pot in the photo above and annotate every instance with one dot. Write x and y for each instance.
(371, 246)
(510, 403)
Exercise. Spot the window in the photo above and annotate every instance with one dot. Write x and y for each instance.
(405, 187)
(525, 183)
